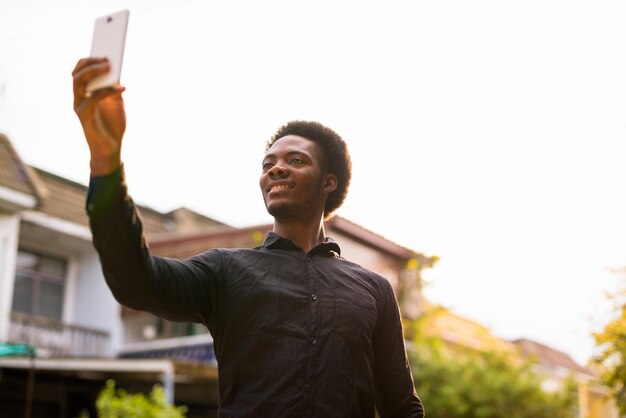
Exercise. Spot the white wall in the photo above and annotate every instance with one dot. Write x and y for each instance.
(94, 305)
(9, 233)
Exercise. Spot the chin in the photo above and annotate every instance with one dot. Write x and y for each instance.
(282, 211)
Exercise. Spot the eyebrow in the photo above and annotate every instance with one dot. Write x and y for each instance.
(288, 154)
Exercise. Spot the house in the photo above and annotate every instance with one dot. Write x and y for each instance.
(457, 331)
(53, 297)
(556, 367)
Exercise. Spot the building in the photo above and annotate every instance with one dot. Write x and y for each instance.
(556, 367)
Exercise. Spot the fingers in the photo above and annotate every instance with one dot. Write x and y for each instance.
(84, 101)
(84, 62)
(101, 114)
(87, 102)
(86, 70)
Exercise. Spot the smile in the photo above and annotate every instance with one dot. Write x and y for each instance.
(277, 187)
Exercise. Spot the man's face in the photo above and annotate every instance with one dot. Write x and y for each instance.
(292, 181)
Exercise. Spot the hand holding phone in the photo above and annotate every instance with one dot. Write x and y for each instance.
(109, 38)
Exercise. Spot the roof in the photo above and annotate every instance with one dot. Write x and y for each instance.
(461, 331)
(188, 245)
(65, 199)
(14, 174)
(548, 357)
(376, 241)
(188, 220)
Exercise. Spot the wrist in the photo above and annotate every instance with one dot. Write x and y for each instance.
(102, 166)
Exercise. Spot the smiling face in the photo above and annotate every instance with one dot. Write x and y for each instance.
(293, 182)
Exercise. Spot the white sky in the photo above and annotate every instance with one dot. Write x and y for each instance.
(489, 133)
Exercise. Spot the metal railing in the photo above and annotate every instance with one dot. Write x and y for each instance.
(54, 338)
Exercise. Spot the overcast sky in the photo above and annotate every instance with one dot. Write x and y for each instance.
(488, 133)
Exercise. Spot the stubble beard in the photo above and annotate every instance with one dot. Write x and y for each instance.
(291, 211)
(284, 211)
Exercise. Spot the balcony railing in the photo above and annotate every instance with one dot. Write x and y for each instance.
(55, 339)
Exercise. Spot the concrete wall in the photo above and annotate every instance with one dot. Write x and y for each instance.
(9, 233)
(94, 305)
(369, 258)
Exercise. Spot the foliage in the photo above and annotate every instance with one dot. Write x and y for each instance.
(612, 344)
(117, 403)
(458, 382)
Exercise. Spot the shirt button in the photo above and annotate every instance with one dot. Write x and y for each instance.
(314, 341)
(314, 297)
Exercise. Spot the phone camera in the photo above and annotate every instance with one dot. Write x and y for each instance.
(109, 19)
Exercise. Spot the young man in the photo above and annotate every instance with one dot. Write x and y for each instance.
(298, 330)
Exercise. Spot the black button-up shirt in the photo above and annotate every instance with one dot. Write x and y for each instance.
(295, 334)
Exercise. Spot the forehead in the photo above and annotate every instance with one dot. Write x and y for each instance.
(293, 144)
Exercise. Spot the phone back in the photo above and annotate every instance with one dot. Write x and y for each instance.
(109, 37)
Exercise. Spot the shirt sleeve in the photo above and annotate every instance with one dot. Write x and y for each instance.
(395, 391)
(177, 290)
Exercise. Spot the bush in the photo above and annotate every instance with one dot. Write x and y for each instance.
(117, 403)
(467, 384)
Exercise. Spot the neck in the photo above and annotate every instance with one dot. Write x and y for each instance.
(305, 235)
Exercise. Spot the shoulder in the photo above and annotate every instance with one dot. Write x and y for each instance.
(364, 273)
(227, 254)
(378, 285)
(228, 258)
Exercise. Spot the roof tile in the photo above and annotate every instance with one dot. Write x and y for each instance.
(13, 172)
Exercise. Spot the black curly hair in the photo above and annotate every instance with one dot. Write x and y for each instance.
(335, 156)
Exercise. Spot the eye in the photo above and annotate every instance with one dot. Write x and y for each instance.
(296, 161)
(267, 166)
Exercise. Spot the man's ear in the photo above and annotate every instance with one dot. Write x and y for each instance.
(330, 183)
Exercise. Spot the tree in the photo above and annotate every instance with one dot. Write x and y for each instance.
(117, 403)
(485, 385)
(612, 344)
(459, 382)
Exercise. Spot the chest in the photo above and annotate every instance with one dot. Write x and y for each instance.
(306, 298)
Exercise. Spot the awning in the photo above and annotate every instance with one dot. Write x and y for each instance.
(10, 350)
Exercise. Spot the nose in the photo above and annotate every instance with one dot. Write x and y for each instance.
(277, 171)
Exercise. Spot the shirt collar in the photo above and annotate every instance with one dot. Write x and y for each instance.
(328, 246)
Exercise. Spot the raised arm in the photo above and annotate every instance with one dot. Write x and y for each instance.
(173, 289)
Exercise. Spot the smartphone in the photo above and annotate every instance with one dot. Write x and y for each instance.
(109, 38)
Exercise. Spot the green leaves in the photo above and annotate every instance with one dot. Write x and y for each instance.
(117, 403)
(612, 344)
(464, 383)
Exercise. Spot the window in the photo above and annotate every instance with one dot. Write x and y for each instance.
(168, 329)
(39, 285)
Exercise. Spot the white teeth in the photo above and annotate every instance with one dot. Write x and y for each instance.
(280, 187)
